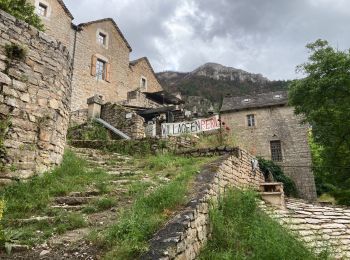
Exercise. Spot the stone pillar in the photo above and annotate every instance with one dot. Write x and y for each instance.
(94, 106)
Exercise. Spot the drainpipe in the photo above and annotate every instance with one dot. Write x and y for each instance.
(76, 28)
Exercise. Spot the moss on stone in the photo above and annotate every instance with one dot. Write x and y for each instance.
(4, 126)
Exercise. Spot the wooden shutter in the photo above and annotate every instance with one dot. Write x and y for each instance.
(108, 72)
(93, 65)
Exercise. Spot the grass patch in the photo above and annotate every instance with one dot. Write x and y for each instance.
(165, 162)
(242, 231)
(105, 203)
(33, 198)
(33, 234)
(221, 138)
(127, 239)
(27, 199)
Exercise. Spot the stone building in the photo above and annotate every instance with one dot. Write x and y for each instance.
(57, 20)
(101, 63)
(266, 126)
(100, 55)
(141, 76)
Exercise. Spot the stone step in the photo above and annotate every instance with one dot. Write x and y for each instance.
(73, 201)
(68, 207)
(121, 182)
(32, 220)
(90, 193)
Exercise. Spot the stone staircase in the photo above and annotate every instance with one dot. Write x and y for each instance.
(112, 163)
(319, 227)
(273, 193)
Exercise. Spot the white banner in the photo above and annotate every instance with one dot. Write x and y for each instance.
(192, 127)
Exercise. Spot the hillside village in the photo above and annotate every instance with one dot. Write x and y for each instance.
(102, 158)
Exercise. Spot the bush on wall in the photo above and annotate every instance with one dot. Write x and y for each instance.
(270, 167)
(22, 10)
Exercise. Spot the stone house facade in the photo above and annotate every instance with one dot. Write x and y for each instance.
(266, 126)
(141, 76)
(100, 55)
(101, 63)
(57, 20)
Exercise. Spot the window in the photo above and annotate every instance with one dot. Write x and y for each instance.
(276, 151)
(102, 39)
(251, 120)
(42, 10)
(100, 69)
(143, 83)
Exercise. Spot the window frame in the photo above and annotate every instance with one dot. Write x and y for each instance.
(42, 9)
(143, 86)
(103, 74)
(251, 121)
(99, 33)
(276, 151)
(102, 36)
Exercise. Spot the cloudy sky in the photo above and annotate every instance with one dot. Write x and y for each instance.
(260, 36)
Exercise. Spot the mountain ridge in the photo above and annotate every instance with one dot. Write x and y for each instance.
(213, 81)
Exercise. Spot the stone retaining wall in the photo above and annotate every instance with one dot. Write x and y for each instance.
(155, 145)
(34, 100)
(78, 117)
(124, 120)
(185, 235)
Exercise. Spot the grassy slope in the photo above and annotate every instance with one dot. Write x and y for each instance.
(242, 231)
(128, 238)
(153, 203)
(24, 200)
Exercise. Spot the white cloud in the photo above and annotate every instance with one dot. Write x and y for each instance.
(267, 37)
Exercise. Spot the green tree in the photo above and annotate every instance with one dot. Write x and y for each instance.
(323, 98)
(22, 10)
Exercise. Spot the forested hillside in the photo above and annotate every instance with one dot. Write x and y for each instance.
(213, 81)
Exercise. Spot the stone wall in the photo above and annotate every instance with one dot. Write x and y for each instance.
(277, 123)
(124, 120)
(34, 98)
(138, 99)
(116, 53)
(185, 235)
(78, 117)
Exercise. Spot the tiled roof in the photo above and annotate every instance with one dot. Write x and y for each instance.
(277, 98)
(115, 25)
(65, 8)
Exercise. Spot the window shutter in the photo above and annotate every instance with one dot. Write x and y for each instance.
(108, 72)
(93, 65)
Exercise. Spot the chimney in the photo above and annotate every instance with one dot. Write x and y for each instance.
(94, 106)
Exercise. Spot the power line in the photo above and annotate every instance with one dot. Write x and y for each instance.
(311, 166)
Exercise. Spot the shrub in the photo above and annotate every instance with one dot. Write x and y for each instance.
(15, 52)
(270, 167)
(91, 131)
(22, 10)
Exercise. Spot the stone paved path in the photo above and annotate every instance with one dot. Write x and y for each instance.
(318, 226)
